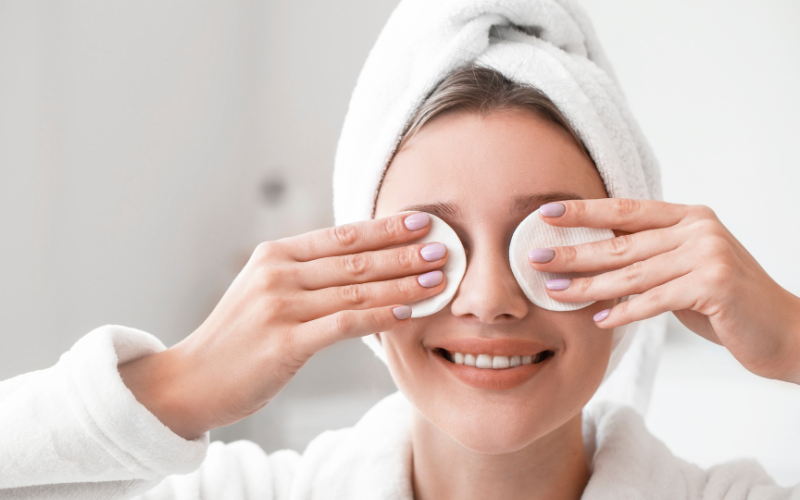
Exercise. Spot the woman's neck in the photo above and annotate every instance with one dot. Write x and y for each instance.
(553, 466)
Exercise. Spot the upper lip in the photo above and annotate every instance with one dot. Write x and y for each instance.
(492, 347)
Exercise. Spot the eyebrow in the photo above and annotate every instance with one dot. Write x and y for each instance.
(441, 210)
(532, 202)
(519, 204)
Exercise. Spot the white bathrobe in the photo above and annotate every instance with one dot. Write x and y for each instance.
(74, 431)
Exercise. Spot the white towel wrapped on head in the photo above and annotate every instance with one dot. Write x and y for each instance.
(548, 44)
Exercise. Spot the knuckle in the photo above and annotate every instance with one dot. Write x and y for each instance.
(718, 276)
(702, 212)
(392, 228)
(269, 276)
(653, 296)
(355, 295)
(276, 304)
(376, 319)
(577, 209)
(568, 254)
(706, 227)
(626, 206)
(633, 273)
(620, 245)
(407, 258)
(356, 264)
(344, 321)
(266, 251)
(345, 235)
(403, 288)
(584, 285)
(621, 309)
(716, 249)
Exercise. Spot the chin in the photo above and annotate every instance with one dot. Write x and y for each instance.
(495, 423)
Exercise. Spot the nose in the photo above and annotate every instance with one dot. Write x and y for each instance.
(489, 292)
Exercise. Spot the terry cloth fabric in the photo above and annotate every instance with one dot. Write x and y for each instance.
(549, 44)
(74, 432)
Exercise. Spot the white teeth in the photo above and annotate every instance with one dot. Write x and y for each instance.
(483, 361)
(493, 362)
(500, 362)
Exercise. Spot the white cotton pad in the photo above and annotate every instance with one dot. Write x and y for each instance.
(453, 270)
(533, 233)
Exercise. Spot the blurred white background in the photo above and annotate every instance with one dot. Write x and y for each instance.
(145, 148)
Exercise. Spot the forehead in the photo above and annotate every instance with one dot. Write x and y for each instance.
(487, 163)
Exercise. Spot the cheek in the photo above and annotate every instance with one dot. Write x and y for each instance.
(508, 420)
(409, 363)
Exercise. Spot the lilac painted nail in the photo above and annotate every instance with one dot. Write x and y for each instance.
(417, 221)
(558, 284)
(431, 279)
(602, 315)
(541, 255)
(552, 210)
(434, 251)
(402, 312)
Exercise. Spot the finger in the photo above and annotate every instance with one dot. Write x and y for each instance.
(672, 296)
(615, 213)
(318, 303)
(357, 237)
(607, 254)
(636, 278)
(365, 267)
(320, 333)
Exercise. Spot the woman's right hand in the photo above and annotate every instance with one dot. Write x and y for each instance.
(294, 297)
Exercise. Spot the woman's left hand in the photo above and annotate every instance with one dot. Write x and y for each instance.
(682, 259)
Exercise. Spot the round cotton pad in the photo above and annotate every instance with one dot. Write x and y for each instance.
(533, 233)
(453, 269)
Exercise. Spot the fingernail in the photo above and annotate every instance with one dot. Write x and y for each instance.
(559, 284)
(552, 210)
(402, 312)
(434, 251)
(417, 221)
(431, 279)
(601, 315)
(541, 255)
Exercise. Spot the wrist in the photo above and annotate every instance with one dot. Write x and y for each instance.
(794, 332)
(789, 367)
(162, 384)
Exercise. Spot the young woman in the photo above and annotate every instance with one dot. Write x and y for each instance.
(120, 416)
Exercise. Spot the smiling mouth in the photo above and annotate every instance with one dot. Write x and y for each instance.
(489, 362)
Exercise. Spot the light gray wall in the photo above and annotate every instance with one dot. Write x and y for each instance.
(127, 160)
(135, 143)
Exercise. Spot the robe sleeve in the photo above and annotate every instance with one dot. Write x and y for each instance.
(75, 431)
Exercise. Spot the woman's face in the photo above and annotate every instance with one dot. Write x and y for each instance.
(483, 175)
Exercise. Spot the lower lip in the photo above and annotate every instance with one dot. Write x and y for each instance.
(488, 378)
